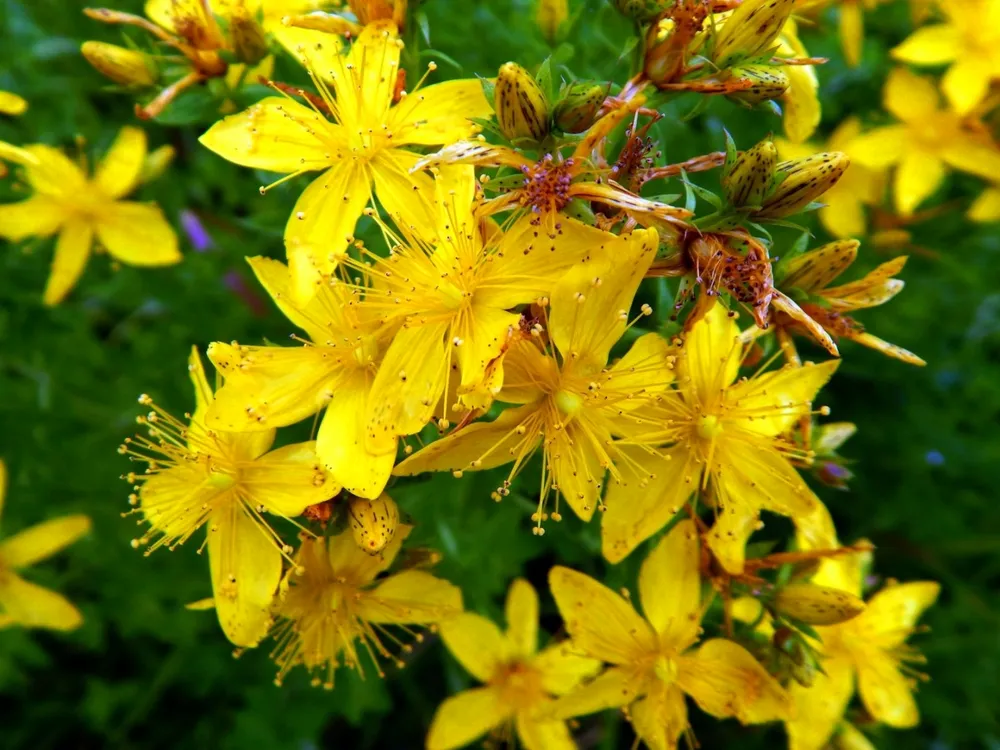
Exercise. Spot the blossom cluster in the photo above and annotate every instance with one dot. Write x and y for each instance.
(532, 306)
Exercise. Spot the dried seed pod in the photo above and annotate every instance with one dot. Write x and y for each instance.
(521, 108)
(817, 605)
(373, 522)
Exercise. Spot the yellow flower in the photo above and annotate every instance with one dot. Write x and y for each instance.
(519, 680)
(812, 273)
(801, 100)
(726, 438)
(451, 289)
(226, 481)
(78, 209)
(273, 386)
(550, 15)
(653, 663)
(969, 40)
(986, 208)
(869, 650)
(11, 104)
(333, 609)
(550, 182)
(924, 144)
(28, 604)
(571, 402)
(843, 214)
(354, 134)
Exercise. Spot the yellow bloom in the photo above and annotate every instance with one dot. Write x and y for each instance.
(11, 104)
(812, 273)
(333, 609)
(924, 144)
(519, 679)
(550, 15)
(726, 438)
(226, 481)
(653, 661)
(571, 402)
(843, 216)
(870, 650)
(361, 147)
(801, 100)
(78, 209)
(451, 289)
(552, 181)
(28, 604)
(273, 386)
(986, 208)
(970, 40)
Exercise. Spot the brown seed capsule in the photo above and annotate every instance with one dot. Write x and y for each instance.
(521, 108)
(373, 522)
(751, 29)
(801, 181)
(817, 605)
(121, 65)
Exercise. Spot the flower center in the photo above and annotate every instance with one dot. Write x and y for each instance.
(708, 427)
(665, 669)
(568, 403)
(520, 685)
(546, 185)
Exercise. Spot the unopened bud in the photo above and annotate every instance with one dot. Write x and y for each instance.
(817, 605)
(642, 11)
(373, 522)
(747, 179)
(578, 106)
(121, 65)
(796, 658)
(12, 104)
(522, 111)
(751, 29)
(663, 59)
(248, 38)
(798, 182)
(769, 82)
(156, 163)
(550, 16)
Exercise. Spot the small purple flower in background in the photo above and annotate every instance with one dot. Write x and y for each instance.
(934, 458)
(196, 233)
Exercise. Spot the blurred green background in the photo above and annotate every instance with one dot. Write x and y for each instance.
(144, 672)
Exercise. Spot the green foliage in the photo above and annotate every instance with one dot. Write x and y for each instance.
(145, 672)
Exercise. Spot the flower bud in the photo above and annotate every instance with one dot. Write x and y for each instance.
(156, 163)
(797, 659)
(522, 111)
(642, 11)
(550, 15)
(663, 58)
(747, 180)
(751, 29)
(769, 82)
(817, 605)
(248, 38)
(373, 522)
(121, 65)
(578, 106)
(798, 182)
(12, 104)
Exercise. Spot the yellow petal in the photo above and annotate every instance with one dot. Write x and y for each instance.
(819, 708)
(410, 597)
(466, 716)
(815, 269)
(849, 737)
(476, 643)
(408, 385)
(881, 147)
(590, 305)
(529, 373)
(646, 368)
(563, 669)
(660, 717)
(852, 31)
(277, 134)
(670, 586)
(374, 57)
(893, 612)
(543, 735)
(287, 480)
(973, 156)
(489, 444)
(39, 216)
(801, 101)
(619, 636)
(407, 198)
(967, 82)
(12, 104)
(484, 332)
(350, 562)
(15, 154)
(930, 45)
(772, 403)
(642, 503)
(986, 208)
(522, 617)
(31, 606)
(321, 321)
(72, 252)
(138, 234)
(439, 113)
(54, 173)
(844, 215)
(118, 172)
(42, 541)
(340, 442)
(477, 153)
(711, 355)
(323, 54)
(875, 288)
(908, 96)
(885, 691)
(578, 462)
(613, 688)
(246, 568)
(918, 175)
(725, 680)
